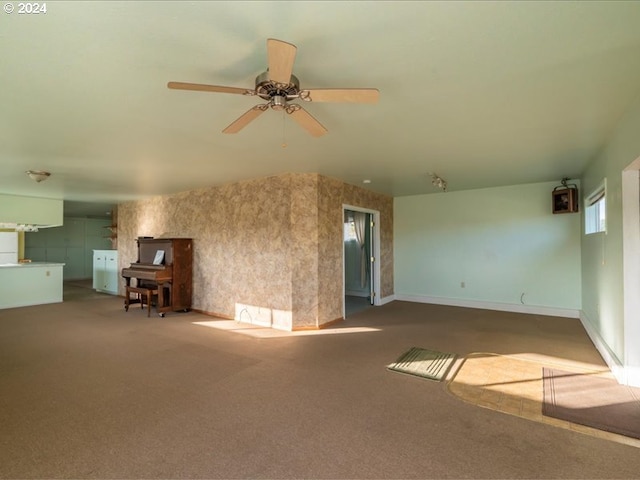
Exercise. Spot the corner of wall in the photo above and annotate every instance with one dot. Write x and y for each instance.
(609, 357)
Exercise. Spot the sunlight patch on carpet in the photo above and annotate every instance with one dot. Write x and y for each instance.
(513, 384)
(424, 363)
(267, 332)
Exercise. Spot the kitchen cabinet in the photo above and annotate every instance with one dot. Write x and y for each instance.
(105, 271)
(33, 283)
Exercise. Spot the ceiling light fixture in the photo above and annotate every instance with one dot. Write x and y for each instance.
(438, 181)
(38, 175)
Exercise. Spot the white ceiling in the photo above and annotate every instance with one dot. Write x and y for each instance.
(482, 93)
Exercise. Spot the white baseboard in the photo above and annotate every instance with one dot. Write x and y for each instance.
(503, 307)
(388, 299)
(622, 374)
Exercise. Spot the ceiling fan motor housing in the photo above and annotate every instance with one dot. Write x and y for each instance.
(267, 89)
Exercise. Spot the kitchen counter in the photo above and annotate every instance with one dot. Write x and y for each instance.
(34, 283)
(29, 264)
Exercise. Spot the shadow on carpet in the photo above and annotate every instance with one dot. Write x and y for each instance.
(424, 363)
(593, 401)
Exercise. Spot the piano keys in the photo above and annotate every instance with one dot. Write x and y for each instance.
(165, 264)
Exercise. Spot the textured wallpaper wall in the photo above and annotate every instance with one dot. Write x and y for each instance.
(333, 194)
(267, 250)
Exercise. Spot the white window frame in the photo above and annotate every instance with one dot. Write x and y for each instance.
(595, 210)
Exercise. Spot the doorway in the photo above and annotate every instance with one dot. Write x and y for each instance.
(361, 273)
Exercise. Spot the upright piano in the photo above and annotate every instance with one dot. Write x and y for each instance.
(165, 264)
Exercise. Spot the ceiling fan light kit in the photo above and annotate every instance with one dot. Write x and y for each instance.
(278, 86)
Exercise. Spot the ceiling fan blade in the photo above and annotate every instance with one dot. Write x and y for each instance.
(306, 121)
(281, 56)
(245, 119)
(207, 88)
(352, 95)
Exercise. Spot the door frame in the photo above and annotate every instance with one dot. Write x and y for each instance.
(631, 274)
(375, 274)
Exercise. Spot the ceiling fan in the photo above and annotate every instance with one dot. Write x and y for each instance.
(278, 86)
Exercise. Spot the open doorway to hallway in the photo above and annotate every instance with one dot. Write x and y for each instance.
(361, 273)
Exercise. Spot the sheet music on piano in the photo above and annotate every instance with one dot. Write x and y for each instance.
(159, 258)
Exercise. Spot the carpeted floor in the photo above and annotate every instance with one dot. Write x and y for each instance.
(589, 399)
(513, 384)
(89, 391)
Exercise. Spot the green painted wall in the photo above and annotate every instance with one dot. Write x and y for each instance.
(501, 242)
(72, 244)
(602, 259)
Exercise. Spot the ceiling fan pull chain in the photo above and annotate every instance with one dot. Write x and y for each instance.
(284, 139)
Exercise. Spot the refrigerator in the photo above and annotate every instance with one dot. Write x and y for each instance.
(8, 248)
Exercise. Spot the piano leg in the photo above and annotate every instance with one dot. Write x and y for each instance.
(126, 297)
(164, 298)
(161, 300)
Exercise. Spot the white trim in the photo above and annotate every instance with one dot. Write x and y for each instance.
(592, 210)
(631, 271)
(504, 307)
(633, 376)
(376, 253)
(606, 353)
(388, 299)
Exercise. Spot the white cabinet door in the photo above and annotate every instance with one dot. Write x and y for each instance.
(105, 271)
(111, 271)
(98, 269)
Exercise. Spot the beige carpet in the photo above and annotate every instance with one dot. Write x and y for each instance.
(592, 400)
(513, 384)
(90, 391)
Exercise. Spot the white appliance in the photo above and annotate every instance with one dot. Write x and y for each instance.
(8, 248)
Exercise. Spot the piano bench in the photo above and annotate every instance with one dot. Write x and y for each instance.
(141, 293)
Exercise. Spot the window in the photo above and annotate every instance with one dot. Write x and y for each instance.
(595, 211)
(350, 231)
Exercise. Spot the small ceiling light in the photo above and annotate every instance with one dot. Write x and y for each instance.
(438, 182)
(38, 175)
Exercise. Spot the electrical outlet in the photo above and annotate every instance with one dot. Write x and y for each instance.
(461, 284)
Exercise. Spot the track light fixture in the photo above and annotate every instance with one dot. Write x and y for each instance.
(438, 182)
